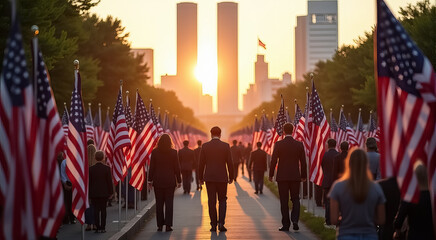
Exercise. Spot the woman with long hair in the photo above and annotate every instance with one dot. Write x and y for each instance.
(356, 202)
(164, 176)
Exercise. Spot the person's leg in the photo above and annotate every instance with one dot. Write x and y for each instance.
(235, 170)
(169, 201)
(97, 214)
(256, 181)
(284, 199)
(158, 193)
(222, 199)
(295, 198)
(102, 203)
(185, 180)
(188, 185)
(211, 200)
(327, 206)
(261, 174)
(242, 166)
(318, 195)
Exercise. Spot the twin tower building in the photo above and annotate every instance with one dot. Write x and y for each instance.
(184, 83)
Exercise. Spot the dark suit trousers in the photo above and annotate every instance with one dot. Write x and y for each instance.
(214, 189)
(327, 206)
(258, 180)
(68, 198)
(164, 196)
(100, 208)
(235, 170)
(318, 195)
(187, 178)
(286, 187)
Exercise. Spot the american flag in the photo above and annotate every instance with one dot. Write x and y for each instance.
(118, 140)
(104, 134)
(264, 133)
(318, 138)
(360, 132)
(144, 138)
(299, 121)
(175, 134)
(65, 120)
(97, 127)
(406, 106)
(256, 130)
(89, 124)
(77, 157)
(49, 200)
(345, 132)
(278, 126)
(333, 128)
(18, 125)
(129, 122)
(373, 129)
(350, 121)
(307, 125)
(155, 120)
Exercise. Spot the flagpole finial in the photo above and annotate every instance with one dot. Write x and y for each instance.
(307, 89)
(35, 30)
(295, 100)
(331, 109)
(76, 64)
(99, 104)
(151, 100)
(89, 104)
(65, 104)
(370, 112)
(108, 108)
(360, 109)
(121, 82)
(311, 76)
(286, 108)
(342, 106)
(137, 90)
(127, 92)
(255, 115)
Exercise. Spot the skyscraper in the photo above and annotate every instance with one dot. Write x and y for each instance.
(227, 46)
(300, 47)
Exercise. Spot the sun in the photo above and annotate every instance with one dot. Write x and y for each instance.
(206, 72)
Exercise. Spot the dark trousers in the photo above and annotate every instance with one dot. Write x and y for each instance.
(164, 196)
(327, 206)
(258, 180)
(235, 170)
(100, 208)
(214, 189)
(286, 187)
(318, 195)
(187, 178)
(68, 199)
(197, 180)
(242, 166)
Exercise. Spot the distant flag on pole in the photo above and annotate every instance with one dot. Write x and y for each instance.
(89, 124)
(278, 126)
(360, 131)
(65, 120)
(261, 44)
(333, 128)
(97, 127)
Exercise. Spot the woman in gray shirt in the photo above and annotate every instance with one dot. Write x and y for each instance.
(356, 202)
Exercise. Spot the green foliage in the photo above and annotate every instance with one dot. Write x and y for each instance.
(348, 78)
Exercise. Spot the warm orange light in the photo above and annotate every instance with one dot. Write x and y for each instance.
(206, 72)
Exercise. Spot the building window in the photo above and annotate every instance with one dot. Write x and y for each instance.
(324, 18)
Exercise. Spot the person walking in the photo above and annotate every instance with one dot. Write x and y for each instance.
(236, 157)
(419, 214)
(197, 159)
(247, 153)
(373, 158)
(258, 165)
(186, 161)
(164, 177)
(327, 164)
(357, 200)
(291, 170)
(100, 190)
(216, 169)
(243, 160)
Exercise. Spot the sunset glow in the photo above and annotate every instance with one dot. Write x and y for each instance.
(206, 73)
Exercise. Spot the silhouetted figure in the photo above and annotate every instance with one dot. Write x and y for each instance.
(100, 190)
(247, 153)
(68, 195)
(164, 176)
(215, 161)
(258, 166)
(327, 164)
(373, 158)
(236, 157)
(243, 159)
(289, 153)
(186, 160)
(392, 194)
(419, 214)
(339, 165)
(197, 162)
(358, 200)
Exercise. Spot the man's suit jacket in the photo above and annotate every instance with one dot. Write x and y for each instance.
(291, 156)
(186, 159)
(339, 165)
(100, 181)
(236, 154)
(327, 164)
(214, 157)
(197, 157)
(164, 168)
(258, 160)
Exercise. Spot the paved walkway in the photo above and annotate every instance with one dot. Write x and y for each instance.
(249, 216)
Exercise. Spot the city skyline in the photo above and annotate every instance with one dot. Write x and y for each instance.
(272, 22)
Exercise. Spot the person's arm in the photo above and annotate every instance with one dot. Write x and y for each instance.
(201, 165)
(151, 170)
(229, 162)
(177, 170)
(380, 216)
(274, 158)
(334, 211)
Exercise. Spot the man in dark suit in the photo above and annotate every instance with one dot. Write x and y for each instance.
(339, 164)
(291, 156)
(214, 157)
(100, 189)
(327, 164)
(197, 159)
(258, 162)
(236, 157)
(186, 161)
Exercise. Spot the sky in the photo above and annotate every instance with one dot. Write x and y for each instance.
(152, 24)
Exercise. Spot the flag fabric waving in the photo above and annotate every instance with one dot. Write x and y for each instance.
(65, 120)
(49, 200)
(278, 126)
(97, 127)
(144, 137)
(372, 128)
(129, 122)
(334, 128)
(77, 157)
(17, 142)
(406, 84)
(360, 132)
(261, 44)
(155, 120)
(118, 140)
(299, 122)
(319, 135)
(104, 134)
(345, 132)
(256, 129)
(89, 124)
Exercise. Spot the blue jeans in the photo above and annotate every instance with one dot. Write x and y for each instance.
(359, 236)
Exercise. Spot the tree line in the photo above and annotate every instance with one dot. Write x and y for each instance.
(348, 78)
(68, 31)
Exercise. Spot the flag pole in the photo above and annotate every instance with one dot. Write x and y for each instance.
(119, 182)
(308, 160)
(127, 169)
(35, 31)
